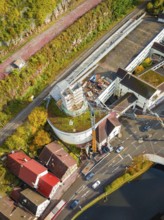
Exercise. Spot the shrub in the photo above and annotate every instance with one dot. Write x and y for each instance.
(138, 70)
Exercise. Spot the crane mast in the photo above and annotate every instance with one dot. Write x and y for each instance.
(94, 147)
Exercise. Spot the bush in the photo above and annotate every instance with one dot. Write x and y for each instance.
(147, 62)
(138, 70)
(155, 7)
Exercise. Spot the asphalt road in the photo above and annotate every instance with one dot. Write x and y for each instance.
(17, 121)
(114, 164)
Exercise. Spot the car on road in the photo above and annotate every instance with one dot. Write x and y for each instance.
(96, 184)
(119, 149)
(89, 176)
(145, 128)
(74, 204)
(106, 149)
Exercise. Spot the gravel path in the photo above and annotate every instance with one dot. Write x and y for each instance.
(38, 42)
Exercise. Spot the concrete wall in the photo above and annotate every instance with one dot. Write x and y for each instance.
(155, 158)
(108, 92)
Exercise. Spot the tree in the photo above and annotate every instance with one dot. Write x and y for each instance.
(38, 117)
(138, 69)
(15, 142)
(149, 7)
(42, 138)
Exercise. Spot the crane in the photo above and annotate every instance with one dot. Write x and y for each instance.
(94, 147)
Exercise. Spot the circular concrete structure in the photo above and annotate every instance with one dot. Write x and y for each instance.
(73, 138)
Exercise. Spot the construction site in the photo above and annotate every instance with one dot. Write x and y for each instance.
(85, 108)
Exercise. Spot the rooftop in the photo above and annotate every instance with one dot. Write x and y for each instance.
(9, 211)
(161, 87)
(32, 196)
(24, 167)
(46, 184)
(56, 159)
(158, 46)
(138, 86)
(60, 153)
(71, 124)
(153, 78)
(106, 127)
(123, 102)
(96, 84)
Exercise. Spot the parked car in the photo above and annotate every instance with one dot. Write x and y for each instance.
(145, 128)
(89, 176)
(74, 204)
(105, 149)
(119, 149)
(96, 184)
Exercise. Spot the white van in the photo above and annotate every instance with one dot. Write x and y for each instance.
(96, 184)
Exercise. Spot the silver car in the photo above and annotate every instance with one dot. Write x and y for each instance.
(119, 149)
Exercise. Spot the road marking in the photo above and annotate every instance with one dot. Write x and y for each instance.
(85, 194)
(109, 165)
(120, 156)
(115, 169)
(130, 156)
(72, 197)
(81, 188)
(110, 161)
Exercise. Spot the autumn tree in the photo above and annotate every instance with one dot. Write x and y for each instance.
(138, 69)
(155, 7)
(38, 117)
(42, 138)
(15, 142)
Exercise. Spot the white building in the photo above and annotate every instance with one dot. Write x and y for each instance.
(73, 100)
(107, 130)
(146, 94)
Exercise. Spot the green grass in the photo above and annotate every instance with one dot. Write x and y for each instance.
(153, 78)
(80, 123)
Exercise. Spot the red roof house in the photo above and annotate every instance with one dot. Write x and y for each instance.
(25, 168)
(31, 171)
(15, 160)
(48, 184)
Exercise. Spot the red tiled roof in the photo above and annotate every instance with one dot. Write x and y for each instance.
(15, 160)
(30, 171)
(24, 167)
(46, 184)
